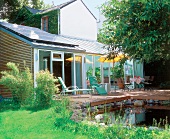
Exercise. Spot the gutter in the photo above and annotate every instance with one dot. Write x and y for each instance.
(54, 47)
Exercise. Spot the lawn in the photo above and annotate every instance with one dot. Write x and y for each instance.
(23, 124)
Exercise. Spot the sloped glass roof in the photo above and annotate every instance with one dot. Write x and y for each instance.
(36, 34)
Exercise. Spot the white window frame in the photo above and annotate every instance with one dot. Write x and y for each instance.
(57, 59)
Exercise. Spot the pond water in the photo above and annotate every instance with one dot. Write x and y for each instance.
(145, 115)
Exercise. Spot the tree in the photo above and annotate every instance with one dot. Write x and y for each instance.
(38, 4)
(9, 8)
(139, 28)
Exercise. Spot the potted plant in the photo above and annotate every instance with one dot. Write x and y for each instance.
(98, 74)
(118, 74)
(89, 72)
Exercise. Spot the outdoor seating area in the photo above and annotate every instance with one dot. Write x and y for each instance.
(142, 83)
(72, 89)
(155, 99)
(139, 83)
(140, 103)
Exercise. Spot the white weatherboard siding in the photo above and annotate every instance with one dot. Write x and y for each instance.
(77, 21)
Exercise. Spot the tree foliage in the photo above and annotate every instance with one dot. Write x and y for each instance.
(9, 8)
(139, 28)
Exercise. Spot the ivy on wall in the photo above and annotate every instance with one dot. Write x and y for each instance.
(34, 20)
(52, 21)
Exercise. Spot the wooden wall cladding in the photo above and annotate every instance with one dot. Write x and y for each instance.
(16, 51)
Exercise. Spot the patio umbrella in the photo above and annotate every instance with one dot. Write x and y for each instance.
(106, 59)
(78, 59)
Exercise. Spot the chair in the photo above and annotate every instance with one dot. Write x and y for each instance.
(98, 87)
(101, 90)
(149, 83)
(151, 79)
(71, 88)
(127, 86)
(93, 82)
(146, 78)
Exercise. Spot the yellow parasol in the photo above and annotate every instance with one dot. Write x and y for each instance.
(78, 59)
(106, 59)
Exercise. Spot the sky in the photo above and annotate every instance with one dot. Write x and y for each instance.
(91, 4)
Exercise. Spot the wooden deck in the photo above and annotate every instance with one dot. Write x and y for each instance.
(95, 100)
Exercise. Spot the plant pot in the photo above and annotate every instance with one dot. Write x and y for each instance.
(121, 85)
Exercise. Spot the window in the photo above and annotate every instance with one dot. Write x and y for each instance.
(45, 23)
(57, 56)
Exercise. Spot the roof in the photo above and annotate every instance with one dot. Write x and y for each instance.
(58, 6)
(40, 37)
(32, 10)
(64, 5)
(91, 46)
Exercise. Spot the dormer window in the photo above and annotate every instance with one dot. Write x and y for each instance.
(44, 25)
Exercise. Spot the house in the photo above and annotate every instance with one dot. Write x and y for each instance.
(41, 50)
(72, 18)
(62, 39)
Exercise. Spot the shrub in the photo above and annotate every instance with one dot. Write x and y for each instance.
(19, 82)
(165, 85)
(63, 107)
(46, 88)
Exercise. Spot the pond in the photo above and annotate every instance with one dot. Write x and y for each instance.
(150, 113)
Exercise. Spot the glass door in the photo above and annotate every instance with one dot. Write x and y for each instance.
(78, 70)
(57, 68)
(68, 69)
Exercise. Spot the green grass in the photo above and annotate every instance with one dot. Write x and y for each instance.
(23, 124)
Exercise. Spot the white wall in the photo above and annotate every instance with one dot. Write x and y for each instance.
(77, 21)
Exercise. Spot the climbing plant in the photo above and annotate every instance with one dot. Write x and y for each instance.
(34, 20)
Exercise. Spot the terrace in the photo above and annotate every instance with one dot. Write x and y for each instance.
(148, 104)
(94, 99)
